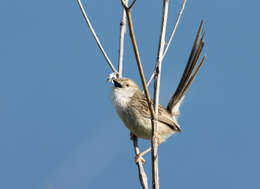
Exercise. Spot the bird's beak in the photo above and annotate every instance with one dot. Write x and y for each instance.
(117, 84)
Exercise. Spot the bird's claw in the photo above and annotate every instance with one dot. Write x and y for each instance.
(132, 136)
(138, 157)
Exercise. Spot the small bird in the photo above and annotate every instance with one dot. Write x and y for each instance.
(132, 107)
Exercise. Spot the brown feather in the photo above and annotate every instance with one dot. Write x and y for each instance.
(189, 73)
(163, 115)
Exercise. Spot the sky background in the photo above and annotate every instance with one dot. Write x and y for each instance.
(58, 128)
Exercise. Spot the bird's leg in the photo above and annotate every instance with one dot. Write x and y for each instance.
(132, 136)
(138, 156)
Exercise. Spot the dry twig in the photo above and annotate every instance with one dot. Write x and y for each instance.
(155, 171)
(95, 36)
(137, 55)
(121, 43)
(174, 28)
(142, 175)
(170, 40)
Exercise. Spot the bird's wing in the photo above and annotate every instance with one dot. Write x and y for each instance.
(164, 116)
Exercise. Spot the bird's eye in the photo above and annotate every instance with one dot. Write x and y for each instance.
(127, 85)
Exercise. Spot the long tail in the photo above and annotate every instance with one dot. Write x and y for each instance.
(188, 74)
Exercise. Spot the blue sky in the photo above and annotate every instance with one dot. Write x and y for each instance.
(58, 128)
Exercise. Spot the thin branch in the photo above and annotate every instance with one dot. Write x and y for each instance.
(121, 44)
(138, 59)
(155, 181)
(95, 36)
(132, 4)
(171, 37)
(126, 7)
(151, 78)
(174, 28)
(139, 64)
(142, 175)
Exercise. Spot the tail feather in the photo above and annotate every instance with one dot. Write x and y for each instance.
(188, 74)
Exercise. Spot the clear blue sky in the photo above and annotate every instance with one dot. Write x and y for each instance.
(58, 129)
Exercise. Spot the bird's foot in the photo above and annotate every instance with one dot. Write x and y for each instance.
(132, 136)
(139, 157)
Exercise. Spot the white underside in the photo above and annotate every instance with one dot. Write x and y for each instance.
(137, 124)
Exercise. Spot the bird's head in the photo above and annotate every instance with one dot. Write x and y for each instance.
(125, 87)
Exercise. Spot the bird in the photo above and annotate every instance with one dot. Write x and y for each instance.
(132, 107)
